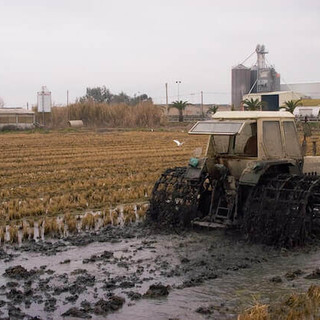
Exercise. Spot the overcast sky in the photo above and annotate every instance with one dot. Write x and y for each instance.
(137, 46)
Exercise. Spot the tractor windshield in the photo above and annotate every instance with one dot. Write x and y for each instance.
(217, 127)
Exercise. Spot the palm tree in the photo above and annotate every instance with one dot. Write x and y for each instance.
(252, 104)
(180, 105)
(213, 109)
(291, 105)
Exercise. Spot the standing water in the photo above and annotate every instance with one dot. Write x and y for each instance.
(111, 272)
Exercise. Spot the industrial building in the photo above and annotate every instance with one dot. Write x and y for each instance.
(274, 100)
(310, 89)
(262, 82)
(257, 79)
(16, 118)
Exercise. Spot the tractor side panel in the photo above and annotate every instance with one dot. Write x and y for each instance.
(255, 170)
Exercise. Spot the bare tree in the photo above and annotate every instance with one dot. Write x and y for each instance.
(1, 103)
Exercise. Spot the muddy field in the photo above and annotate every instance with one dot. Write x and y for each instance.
(122, 269)
(135, 272)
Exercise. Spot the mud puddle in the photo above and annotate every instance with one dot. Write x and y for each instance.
(134, 272)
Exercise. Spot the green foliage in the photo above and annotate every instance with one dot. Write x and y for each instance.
(291, 105)
(103, 95)
(213, 109)
(253, 104)
(180, 106)
(97, 94)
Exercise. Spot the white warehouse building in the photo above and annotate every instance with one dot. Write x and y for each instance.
(16, 118)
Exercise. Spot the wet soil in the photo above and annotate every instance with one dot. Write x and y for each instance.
(137, 272)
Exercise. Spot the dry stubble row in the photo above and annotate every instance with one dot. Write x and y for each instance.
(58, 173)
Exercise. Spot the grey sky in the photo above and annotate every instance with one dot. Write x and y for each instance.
(136, 46)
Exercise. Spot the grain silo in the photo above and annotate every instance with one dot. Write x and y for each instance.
(240, 84)
(262, 78)
(44, 100)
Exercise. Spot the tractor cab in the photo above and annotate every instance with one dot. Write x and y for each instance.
(240, 138)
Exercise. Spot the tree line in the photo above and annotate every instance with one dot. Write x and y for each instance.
(104, 95)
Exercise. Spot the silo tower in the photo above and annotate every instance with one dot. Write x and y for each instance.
(264, 78)
(261, 59)
(44, 103)
(240, 84)
(258, 79)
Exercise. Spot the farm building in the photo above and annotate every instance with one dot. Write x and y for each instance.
(274, 100)
(17, 118)
(307, 111)
(310, 89)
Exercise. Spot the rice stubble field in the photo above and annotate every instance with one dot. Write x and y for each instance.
(59, 173)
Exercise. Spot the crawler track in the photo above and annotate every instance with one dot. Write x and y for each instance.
(284, 211)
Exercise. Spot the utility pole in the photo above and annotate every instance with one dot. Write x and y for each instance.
(201, 105)
(178, 83)
(68, 114)
(167, 104)
(42, 100)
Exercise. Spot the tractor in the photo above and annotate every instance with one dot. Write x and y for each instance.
(254, 177)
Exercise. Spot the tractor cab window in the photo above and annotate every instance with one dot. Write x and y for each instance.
(272, 139)
(216, 127)
(242, 144)
(291, 139)
(246, 141)
(221, 143)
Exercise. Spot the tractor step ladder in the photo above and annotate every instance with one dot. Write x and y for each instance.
(223, 212)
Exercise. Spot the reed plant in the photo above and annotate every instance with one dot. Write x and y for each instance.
(94, 114)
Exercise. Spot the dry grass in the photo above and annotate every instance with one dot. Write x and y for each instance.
(88, 221)
(70, 222)
(304, 306)
(61, 173)
(145, 114)
(13, 233)
(51, 226)
(2, 233)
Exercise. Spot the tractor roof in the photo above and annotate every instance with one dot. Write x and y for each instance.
(236, 115)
